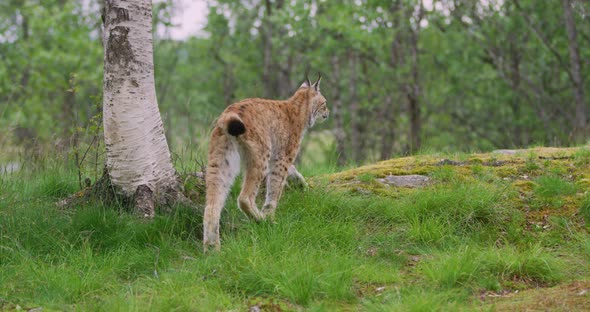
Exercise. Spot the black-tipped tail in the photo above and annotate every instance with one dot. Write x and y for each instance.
(235, 127)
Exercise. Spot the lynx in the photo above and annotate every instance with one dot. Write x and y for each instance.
(264, 135)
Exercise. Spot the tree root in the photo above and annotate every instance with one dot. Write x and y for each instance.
(144, 202)
(189, 191)
(102, 191)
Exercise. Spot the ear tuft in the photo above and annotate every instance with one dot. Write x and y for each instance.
(316, 85)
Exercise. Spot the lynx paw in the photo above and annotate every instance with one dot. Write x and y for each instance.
(211, 244)
(297, 182)
(269, 213)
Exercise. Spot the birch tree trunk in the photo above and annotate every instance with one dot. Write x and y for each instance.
(138, 158)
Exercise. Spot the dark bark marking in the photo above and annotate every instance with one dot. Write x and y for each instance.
(119, 49)
(120, 15)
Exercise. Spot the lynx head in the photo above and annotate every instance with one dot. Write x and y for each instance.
(317, 102)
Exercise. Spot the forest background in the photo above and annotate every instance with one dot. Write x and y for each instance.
(400, 76)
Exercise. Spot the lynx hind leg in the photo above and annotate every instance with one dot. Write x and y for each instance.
(274, 187)
(256, 168)
(223, 166)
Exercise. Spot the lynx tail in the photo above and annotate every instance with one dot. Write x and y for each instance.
(232, 124)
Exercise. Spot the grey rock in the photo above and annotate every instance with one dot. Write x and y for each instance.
(506, 151)
(448, 162)
(496, 163)
(10, 167)
(412, 180)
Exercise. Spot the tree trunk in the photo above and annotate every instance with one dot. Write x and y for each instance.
(338, 117)
(137, 154)
(283, 74)
(413, 92)
(518, 139)
(387, 119)
(271, 75)
(24, 82)
(366, 141)
(396, 61)
(267, 66)
(415, 122)
(576, 69)
(355, 136)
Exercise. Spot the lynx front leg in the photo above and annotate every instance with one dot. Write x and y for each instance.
(274, 188)
(295, 178)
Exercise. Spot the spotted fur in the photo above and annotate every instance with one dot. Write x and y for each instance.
(265, 136)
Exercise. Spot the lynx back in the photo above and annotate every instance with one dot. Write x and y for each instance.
(264, 136)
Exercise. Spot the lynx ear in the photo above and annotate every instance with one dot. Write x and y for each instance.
(306, 83)
(316, 85)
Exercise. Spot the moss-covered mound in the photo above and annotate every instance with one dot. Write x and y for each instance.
(542, 182)
(540, 198)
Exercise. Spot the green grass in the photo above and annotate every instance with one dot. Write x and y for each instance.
(582, 157)
(428, 249)
(552, 186)
(551, 191)
(444, 174)
(584, 210)
(366, 177)
(531, 165)
(493, 268)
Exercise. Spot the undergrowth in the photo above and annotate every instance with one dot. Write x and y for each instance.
(435, 248)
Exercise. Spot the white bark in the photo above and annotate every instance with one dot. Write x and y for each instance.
(137, 151)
